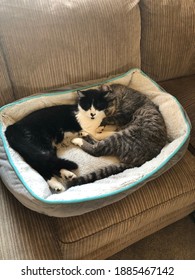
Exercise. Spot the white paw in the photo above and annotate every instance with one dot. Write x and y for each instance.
(83, 133)
(66, 174)
(55, 185)
(77, 141)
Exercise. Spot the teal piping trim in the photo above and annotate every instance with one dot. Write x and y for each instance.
(128, 187)
(65, 91)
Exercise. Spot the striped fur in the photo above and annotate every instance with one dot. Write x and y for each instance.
(140, 137)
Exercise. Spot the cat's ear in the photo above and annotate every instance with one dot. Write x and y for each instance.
(105, 88)
(80, 94)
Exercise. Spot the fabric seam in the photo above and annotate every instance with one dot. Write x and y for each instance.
(128, 219)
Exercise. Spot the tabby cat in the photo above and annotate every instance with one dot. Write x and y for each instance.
(140, 136)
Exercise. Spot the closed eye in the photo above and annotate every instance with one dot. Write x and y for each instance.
(85, 105)
(100, 105)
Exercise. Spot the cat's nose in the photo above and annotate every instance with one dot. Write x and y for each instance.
(93, 114)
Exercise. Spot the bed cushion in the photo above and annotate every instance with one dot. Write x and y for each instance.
(31, 189)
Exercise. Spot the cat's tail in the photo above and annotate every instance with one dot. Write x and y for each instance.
(99, 174)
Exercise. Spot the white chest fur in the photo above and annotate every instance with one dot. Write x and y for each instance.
(88, 124)
(91, 125)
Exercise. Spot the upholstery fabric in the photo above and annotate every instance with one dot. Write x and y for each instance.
(168, 38)
(184, 90)
(52, 43)
(164, 244)
(25, 234)
(170, 192)
(6, 93)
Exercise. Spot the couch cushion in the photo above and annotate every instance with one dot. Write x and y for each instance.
(6, 93)
(169, 193)
(167, 45)
(49, 43)
(184, 90)
(24, 234)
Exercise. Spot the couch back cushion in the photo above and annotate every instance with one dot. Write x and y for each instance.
(51, 43)
(6, 93)
(167, 44)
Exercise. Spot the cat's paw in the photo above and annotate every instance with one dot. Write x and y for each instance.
(83, 133)
(100, 129)
(66, 174)
(77, 141)
(55, 185)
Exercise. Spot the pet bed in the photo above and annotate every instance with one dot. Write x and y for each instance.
(32, 190)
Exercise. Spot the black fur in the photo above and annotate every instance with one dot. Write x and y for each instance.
(33, 135)
(140, 136)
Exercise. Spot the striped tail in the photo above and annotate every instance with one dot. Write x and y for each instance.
(98, 174)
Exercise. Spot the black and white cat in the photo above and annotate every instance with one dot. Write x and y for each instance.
(36, 136)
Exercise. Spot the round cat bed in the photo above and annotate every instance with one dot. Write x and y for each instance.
(32, 190)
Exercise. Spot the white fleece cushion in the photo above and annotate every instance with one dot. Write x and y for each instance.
(32, 190)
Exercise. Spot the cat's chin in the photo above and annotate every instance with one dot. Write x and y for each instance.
(91, 118)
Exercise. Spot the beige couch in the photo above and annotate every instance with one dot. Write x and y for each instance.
(48, 44)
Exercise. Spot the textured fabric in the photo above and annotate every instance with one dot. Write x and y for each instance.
(33, 191)
(35, 64)
(143, 231)
(168, 38)
(23, 233)
(6, 94)
(97, 235)
(172, 191)
(184, 90)
(52, 43)
(164, 244)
